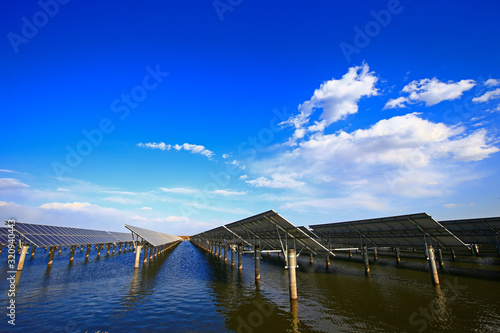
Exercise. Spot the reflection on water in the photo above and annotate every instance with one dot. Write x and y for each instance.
(187, 290)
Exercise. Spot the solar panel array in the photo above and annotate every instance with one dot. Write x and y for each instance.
(396, 231)
(154, 238)
(475, 231)
(46, 235)
(270, 229)
(122, 237)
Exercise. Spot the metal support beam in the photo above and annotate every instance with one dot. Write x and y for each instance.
(20, 264)
(52, 251)
(365, 260)
(292, 263)
(88, 250)
(240, 256)
(137, 255)
(257, 263)
(432, 265)
(439, 257)
(72, 253)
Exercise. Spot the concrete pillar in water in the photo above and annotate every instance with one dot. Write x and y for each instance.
(88, 250)
(156, 251)
(257, 262)
(32, 251)
(137, 255)
(279, 255)
(350, 254)
(233, 254)
(432, 265)
(225, 254)
(1, 248)
(398, 257)
(145, 259)
(151, 248)
(453, 256)
(72, 253)
(311, 258)
(439, 256)
(365, 260)
(81, 248)
(108, 247)
(99, 248)
(113, 251)
(120, 248)
(20, 264)
(327, 260)
(240, 256)
(475, 249)
(60, 248)
(375, 254)
(292, 263)
(52, 251)
(220, 250)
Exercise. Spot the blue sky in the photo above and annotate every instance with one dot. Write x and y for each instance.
(180, 117)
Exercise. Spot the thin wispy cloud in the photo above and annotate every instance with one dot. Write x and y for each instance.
(194, 149)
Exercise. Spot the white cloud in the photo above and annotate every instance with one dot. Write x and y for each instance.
(431, 92)
(396, 103)
(416, 152)
(8, 171)
(194, 149)
(146, 208)
(277, 180)
(243, 177)
(228, 192)
(75, 206)
(9, 184)
(62, 189)
(488, 96)
(337, 98)
(492, 83)
(358, 200)
(179, 190)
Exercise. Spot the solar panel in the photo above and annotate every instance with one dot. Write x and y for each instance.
(395, 231)
(4, 239)
(122, 237)
(45, 235)
(269, 228)
(153, 237)
(475, 231)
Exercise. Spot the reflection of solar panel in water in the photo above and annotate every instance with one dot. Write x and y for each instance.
(45, 235)
(153, 237)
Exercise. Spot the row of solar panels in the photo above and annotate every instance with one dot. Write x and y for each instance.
(411, 231)
(46, 235)
(154, 238)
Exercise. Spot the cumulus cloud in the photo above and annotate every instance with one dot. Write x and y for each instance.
(337, 98)
(146, 208)
(9, 184)
(364, 156)
(492, 83)
(194, 149)
(487, 96)
(171, 219)
(431, 92)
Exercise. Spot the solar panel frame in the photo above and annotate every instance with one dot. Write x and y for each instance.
(475, 231)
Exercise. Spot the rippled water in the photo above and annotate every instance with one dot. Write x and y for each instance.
(188, 290)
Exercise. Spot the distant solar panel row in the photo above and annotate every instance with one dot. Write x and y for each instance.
(4, 236)
(154, 238)
(45, 235)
